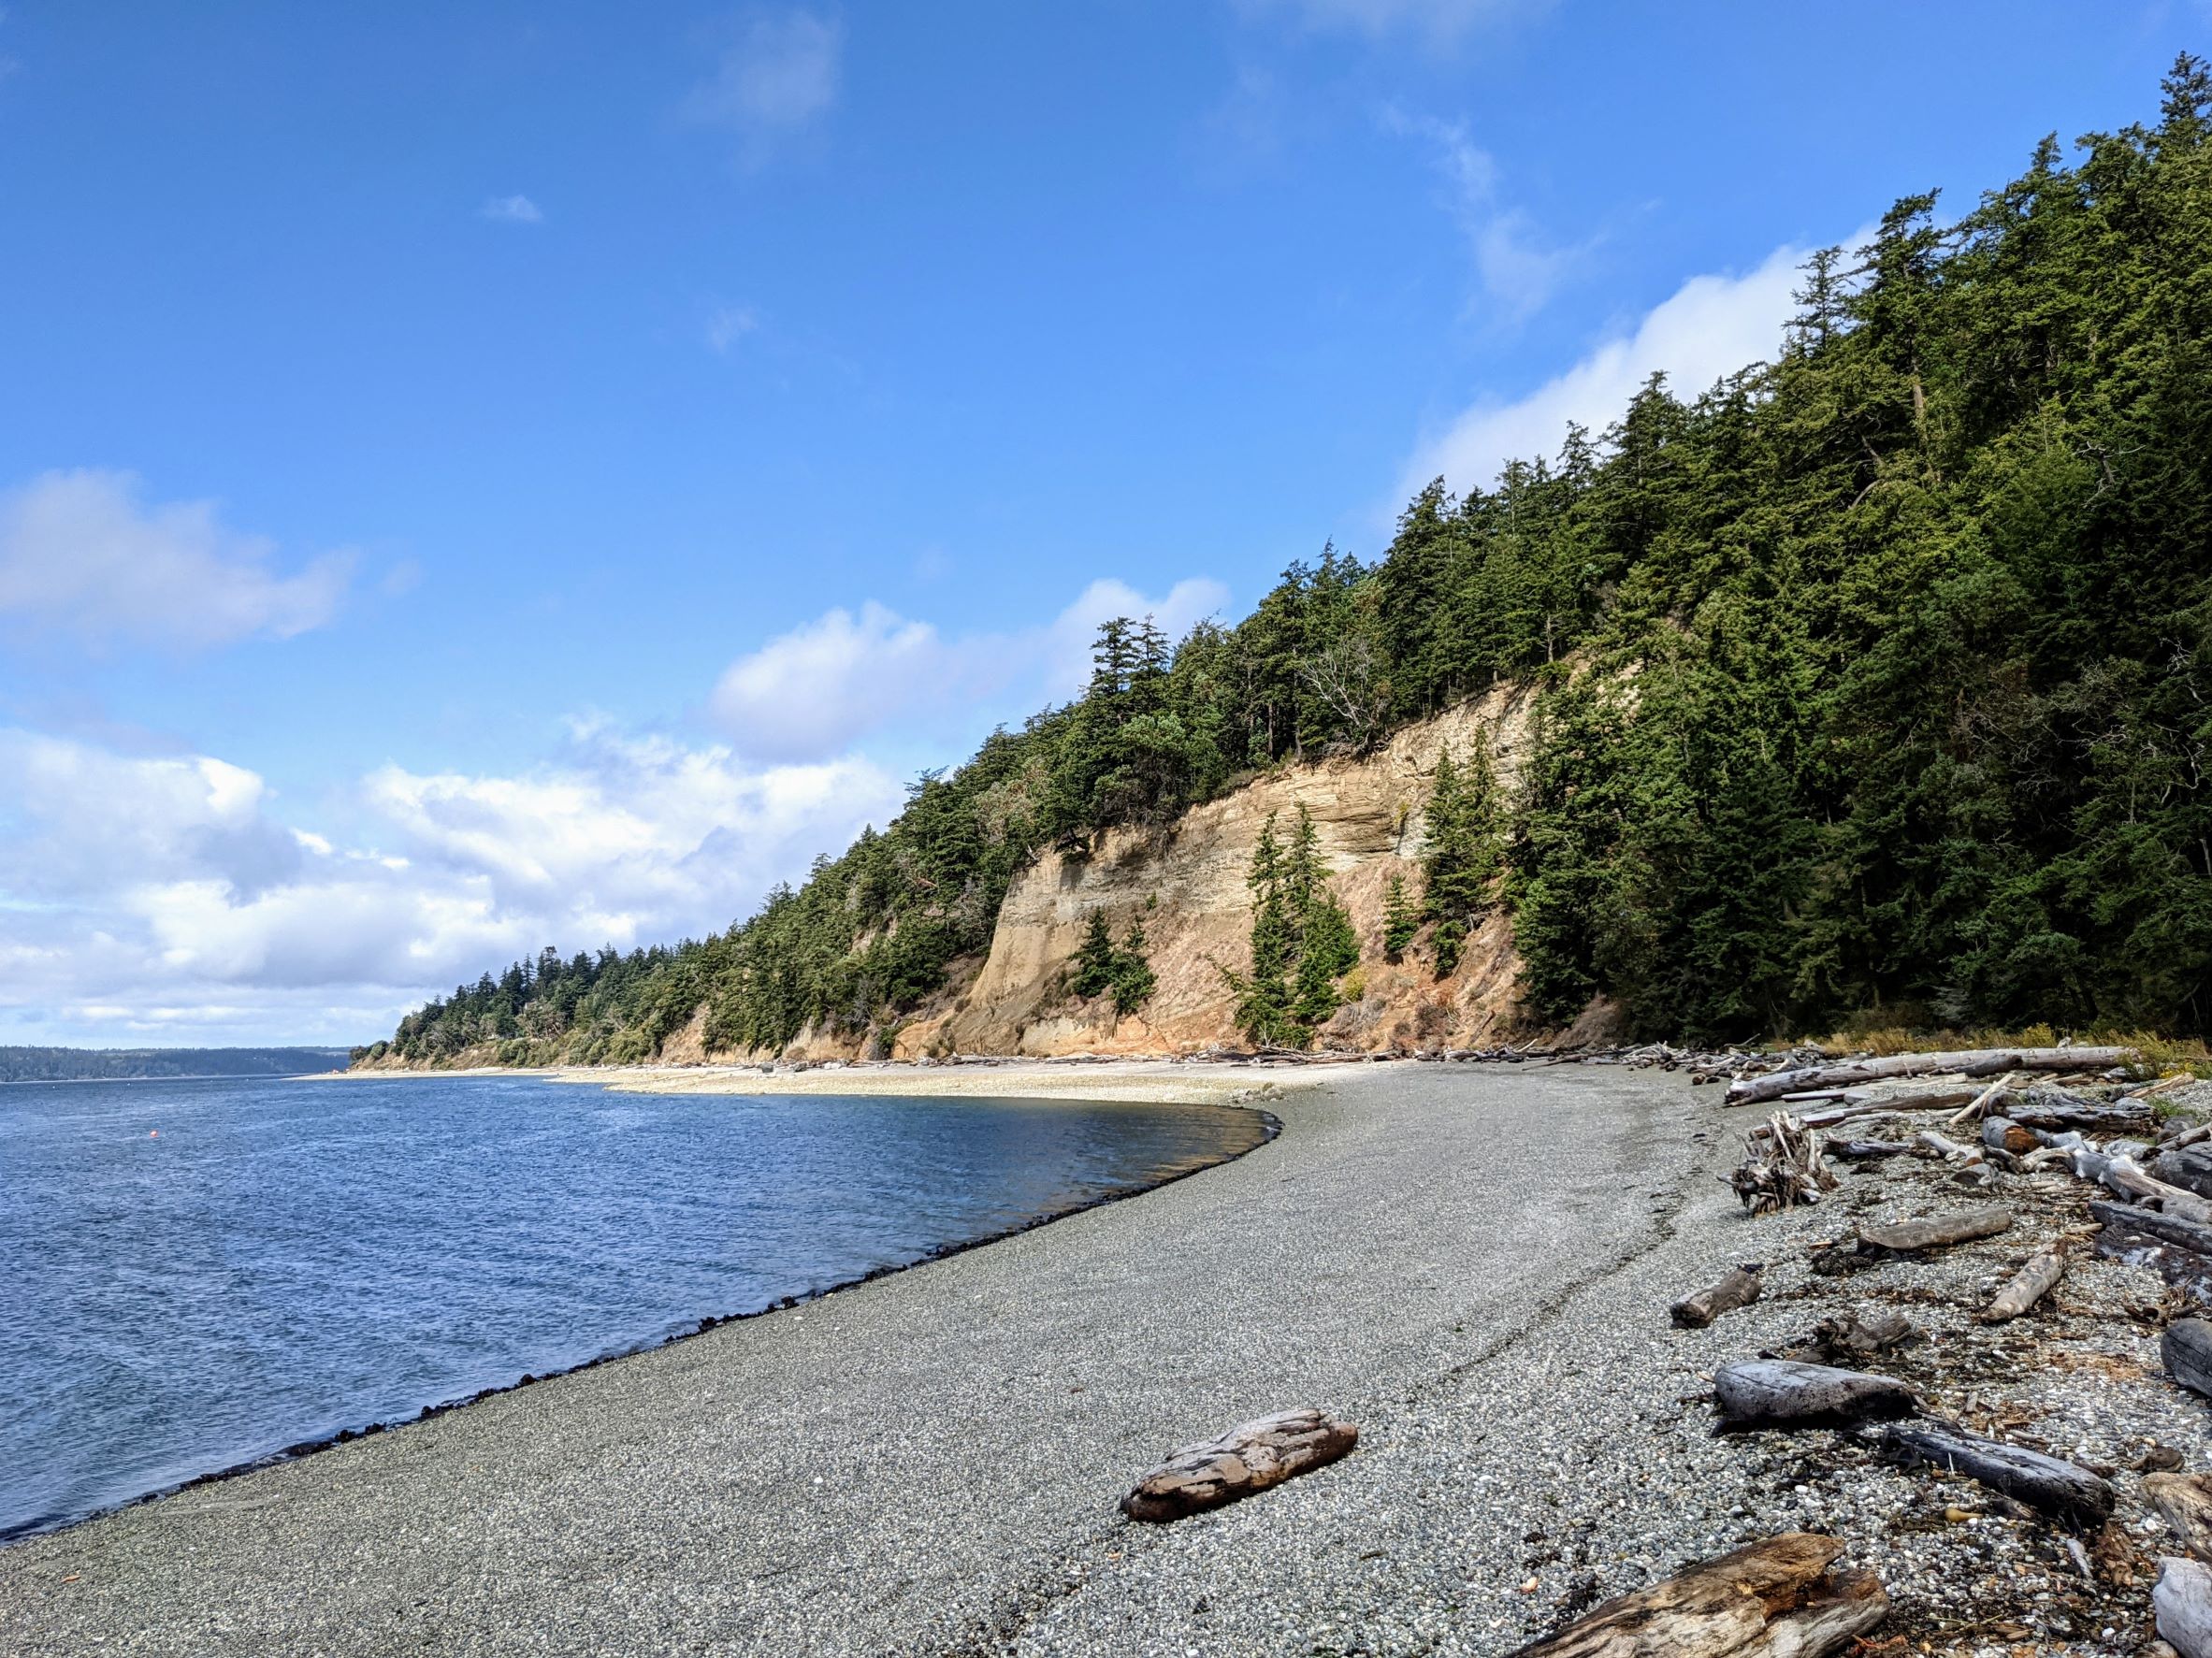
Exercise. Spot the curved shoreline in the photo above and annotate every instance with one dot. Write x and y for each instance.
(1271, 1127)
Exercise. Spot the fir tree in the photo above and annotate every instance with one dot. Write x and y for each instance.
(1464, 852)
(1401, 919)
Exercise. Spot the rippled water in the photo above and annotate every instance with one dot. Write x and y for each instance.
(197, 1274)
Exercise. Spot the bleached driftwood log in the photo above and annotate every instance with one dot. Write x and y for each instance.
(2064, 1489)
(1786, 1391)
(2029, 1285)
(2186, 1502)
(1904, 1237)
(1740, 1288)
(1782, 1598)
(2183, 1602)
(1750, 1091)
(1900, 1105)
(1944, 1146)
(2122, 1174)
(2188, 1166)
(2187, 1349)
(1250, 1457)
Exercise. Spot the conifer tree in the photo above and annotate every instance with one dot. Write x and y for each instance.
(1094, 958)
(1465, 853)
(1401, 918)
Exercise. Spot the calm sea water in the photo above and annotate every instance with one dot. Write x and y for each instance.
(197, 1275)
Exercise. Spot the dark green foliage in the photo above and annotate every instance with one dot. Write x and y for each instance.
(1101, 966)
(1401, 918)
(1302, 941)
(1465, 851)
(1093, 973)
(1133, 981)
(1876, 676)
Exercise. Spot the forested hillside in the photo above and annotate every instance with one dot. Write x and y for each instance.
(116, 1064)
(1873, 677)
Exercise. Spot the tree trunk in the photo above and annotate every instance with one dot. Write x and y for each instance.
(1250, 1456)
(2029, 1285)
(1749, 1090)
(1786, 1391)
(1903, 1237)
(2064, 1489)
(1740, 1288)
(1781, 1598)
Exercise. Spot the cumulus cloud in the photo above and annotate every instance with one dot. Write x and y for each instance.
(1518, 269)
(82, 552)
(777, 73)
(511, 209)
(165, 895)
(816, 689)
(1711, 326)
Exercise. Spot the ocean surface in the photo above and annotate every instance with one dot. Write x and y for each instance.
(195, 1275)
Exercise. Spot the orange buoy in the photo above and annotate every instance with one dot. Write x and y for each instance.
(154, 1133)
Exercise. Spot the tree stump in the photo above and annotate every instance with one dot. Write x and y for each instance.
(1781, 1598)
(1250, 1456)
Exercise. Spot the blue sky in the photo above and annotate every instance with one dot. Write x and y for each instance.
(478, 476)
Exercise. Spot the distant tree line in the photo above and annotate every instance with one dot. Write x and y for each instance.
(1874, 677)
(120, 1064)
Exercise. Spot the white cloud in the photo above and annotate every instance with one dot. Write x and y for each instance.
(778, 73)
(79, 552)
(165, 894)
(814, 690)
(1711, 326)
(1439, 20)
(1515, 267)
(727, 324)
(511, 209)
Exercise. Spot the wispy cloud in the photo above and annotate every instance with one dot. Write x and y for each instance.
(1438, 19)
(1709, 326)
(511, 209)
(777, 73)
(1517, 268)
(728, 324)
(81, 554)
(812, 692)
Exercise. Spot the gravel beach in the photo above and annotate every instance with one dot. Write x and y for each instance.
(1474, 1263)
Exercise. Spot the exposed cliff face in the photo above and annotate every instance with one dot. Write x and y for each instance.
(1187, 883)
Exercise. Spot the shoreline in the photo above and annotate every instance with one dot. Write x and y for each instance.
(1271, 1127)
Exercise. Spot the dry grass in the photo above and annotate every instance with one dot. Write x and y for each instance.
(2161, 1054)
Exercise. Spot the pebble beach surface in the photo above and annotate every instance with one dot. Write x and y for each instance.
(1472, 1261)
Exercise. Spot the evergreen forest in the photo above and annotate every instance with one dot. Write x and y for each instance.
(1871, 681)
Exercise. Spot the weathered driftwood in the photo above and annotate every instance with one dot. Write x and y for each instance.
(2183, 1602)
(2124, 1175)
(1786, 1391)
(2061, 1489)
(1739, 1288)
(2029, 1285)
(1904, 1237)
(1861, 1333)
(1782, 1598)
(1860, 1151)
(1782, 1167)
(2179, 1251)
(2186, 1502)
(1898, 1106)
(1750, 1091)
(2187, 1349)
(2172, 1229)
(2186, 1165)
(1943, 1145)
(2001, 1134)
(1250, 1456)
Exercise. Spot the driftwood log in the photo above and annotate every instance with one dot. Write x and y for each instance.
(1250, 1457)
(2185, 1500)
(2189, 1166)
(2123, 1175)
(1861, 1335)
(2001, 1134)
(1782, 1598)
(1750, 1091)
(1784, 1390)
(1948, 1100)
(2029, 1285)
(1944, 1146)
(1860, 1151)
(1906, 1237)
(2183, 1602)
(1740, 1288)
(2187, 1349)
(2063, 1490)
(2179, 1251)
